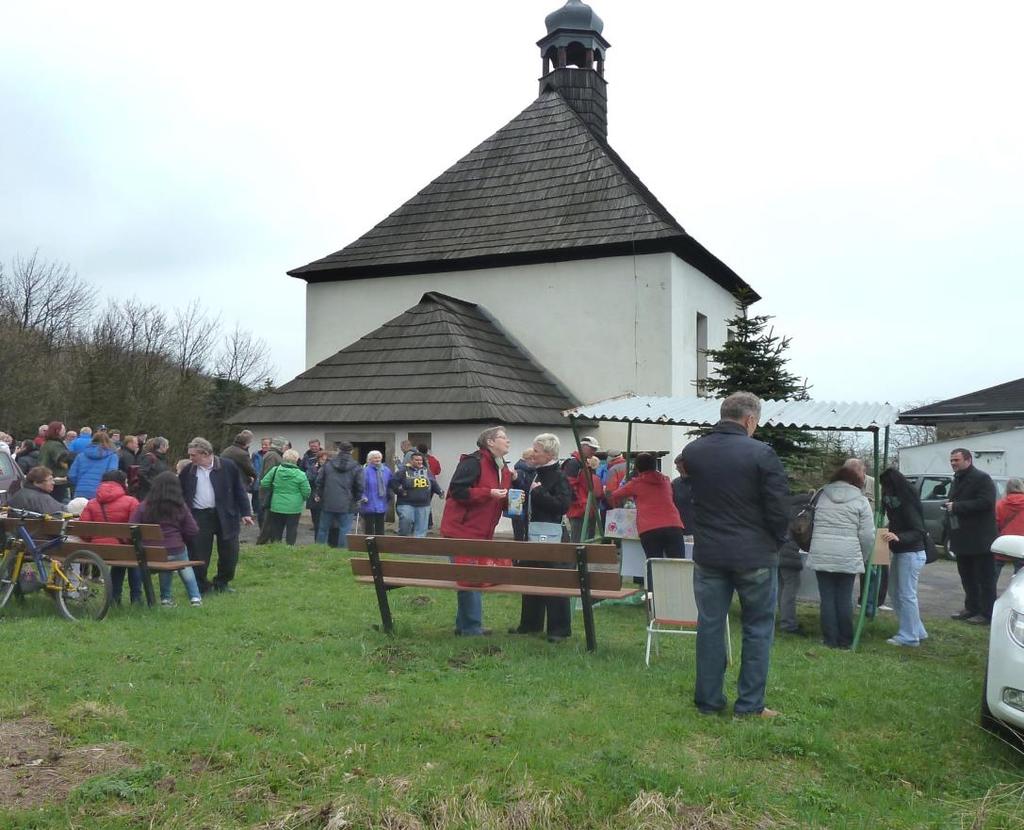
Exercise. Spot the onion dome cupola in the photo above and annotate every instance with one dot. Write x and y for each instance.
(573, 54)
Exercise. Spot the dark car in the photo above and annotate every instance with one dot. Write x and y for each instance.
(9, 473)
(933, 489)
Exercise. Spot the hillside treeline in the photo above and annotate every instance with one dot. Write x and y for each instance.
(70, 352)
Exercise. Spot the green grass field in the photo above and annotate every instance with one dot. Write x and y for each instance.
(280, 706)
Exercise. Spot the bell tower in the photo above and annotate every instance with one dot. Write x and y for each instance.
(572, 55)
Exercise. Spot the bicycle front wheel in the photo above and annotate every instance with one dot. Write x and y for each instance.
(85, 591)
(7, 576)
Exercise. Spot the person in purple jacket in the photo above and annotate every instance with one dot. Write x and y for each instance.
(374, 503)
(165, 505)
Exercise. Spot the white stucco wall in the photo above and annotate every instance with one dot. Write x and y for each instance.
(997, 453)
(603, 327)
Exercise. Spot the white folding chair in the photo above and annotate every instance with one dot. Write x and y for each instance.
(672, 608)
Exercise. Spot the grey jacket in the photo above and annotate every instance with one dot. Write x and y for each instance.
(844, 530)
(339, 485)
(36, 500)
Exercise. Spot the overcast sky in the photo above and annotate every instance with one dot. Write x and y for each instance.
(860, 165)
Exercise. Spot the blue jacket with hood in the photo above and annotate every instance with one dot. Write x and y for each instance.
(88, 468)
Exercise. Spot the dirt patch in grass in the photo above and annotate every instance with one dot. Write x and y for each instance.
(36, 767)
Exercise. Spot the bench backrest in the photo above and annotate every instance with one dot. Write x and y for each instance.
(554, 552)
(496, 549)
(124, 551)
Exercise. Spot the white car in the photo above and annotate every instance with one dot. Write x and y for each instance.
(1002, 704)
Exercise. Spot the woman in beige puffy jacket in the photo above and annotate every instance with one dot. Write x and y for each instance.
(844, 535)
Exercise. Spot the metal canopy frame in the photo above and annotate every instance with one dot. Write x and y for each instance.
(874, 418)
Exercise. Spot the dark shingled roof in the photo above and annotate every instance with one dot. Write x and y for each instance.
(443, 360)
(543, 188)
(1002, 402)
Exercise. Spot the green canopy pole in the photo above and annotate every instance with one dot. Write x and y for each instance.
(870, 568)
(591, 502)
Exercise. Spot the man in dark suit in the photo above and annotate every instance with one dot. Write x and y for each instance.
(214, 492)
(971, 519)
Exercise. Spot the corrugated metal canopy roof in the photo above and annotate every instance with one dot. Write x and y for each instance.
(696, 412)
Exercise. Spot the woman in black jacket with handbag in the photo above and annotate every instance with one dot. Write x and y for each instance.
(906, 538)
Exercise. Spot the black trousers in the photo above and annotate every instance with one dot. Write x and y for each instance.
(978, 576)
(557, 610)
(284, 524)
(201, 550)
(373, 524)
(664, 543)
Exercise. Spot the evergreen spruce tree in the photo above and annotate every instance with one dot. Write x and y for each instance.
(754, 360)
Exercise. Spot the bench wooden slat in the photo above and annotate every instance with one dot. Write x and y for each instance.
(499, 549)
(111, 552)
(443, 571)
(532, 590)
(40, 528)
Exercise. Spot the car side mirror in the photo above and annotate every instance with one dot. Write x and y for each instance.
(1009, 546)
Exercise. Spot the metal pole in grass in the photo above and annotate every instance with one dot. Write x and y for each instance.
(870, 570)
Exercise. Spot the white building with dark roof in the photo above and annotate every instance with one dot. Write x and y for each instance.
(545, 231)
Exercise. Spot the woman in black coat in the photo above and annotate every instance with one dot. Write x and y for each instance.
(906, 544)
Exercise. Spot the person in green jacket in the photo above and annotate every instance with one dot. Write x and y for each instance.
(54, 454)
(289, 488)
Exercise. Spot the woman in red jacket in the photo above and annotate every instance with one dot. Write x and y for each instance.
(1010, 519)
(477, 495)
(113, 504)
(661, 531)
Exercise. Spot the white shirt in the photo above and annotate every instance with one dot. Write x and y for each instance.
(204, 498)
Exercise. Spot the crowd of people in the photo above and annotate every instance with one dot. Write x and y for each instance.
(732, 496)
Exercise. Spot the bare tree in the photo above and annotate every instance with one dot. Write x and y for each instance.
(244, 359)
(192, 339)
(45, 297)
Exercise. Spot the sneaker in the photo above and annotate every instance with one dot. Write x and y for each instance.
(764, 713)
(894, 642)
(961, 615)
(978, 619)
(885, 608)
(167, 603)
(196, 603)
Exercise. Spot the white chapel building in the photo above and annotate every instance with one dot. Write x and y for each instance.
(486, 298)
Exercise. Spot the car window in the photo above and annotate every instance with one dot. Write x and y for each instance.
(7, 465)
(935, 488)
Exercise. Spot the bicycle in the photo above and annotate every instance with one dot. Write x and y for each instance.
(80, 585)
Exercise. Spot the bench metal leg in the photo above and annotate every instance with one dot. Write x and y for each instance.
(585, 600)
(140, 557)
(378, 583)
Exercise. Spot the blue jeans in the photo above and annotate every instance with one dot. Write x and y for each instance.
(328, 519)
(904, 571)
(469, 614)
(412, 519)
(188, 576)
(713, 589)
(836, 592)
(134, 583)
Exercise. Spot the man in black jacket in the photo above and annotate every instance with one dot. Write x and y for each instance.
(971, 520)
(741, 519)
(213, 490)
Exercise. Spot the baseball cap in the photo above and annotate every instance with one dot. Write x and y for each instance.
(590, 441)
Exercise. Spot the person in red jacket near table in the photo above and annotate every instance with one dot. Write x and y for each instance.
(657, 519)
(477, 495)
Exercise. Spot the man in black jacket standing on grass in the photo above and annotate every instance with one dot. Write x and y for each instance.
(971, 521)
(213, 491)
(741, 519)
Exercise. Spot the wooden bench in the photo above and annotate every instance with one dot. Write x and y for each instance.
(139, 545)
(579, 580)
